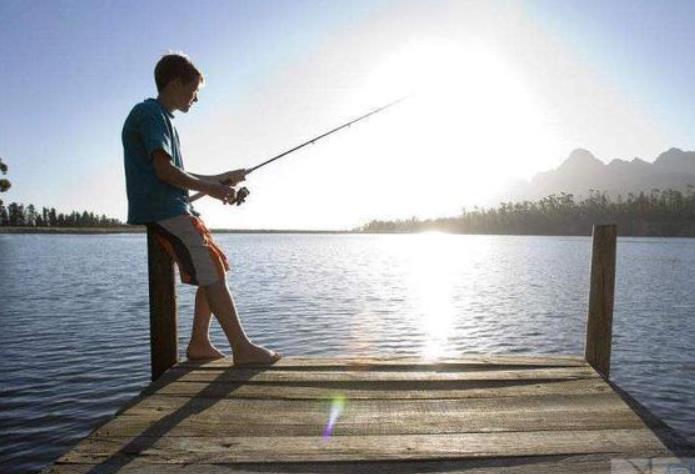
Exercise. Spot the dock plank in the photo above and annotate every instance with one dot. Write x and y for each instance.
(364, 424)
(559, 464)
(206, 417)
(484, 361)
(221, 449)
(331, 376)
(466, 389)
(165, 405)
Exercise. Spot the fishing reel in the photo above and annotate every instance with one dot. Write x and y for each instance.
(241, 195)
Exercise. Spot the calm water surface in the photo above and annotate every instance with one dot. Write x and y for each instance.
(74, 315)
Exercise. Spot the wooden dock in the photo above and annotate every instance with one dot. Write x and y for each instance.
(473, 414)
(477, 414)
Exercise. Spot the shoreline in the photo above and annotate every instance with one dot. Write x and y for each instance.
(141, 230)
(128, 229)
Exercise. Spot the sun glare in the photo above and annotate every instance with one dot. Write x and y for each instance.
(468, 112)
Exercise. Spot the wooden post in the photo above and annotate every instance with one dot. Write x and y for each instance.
(163, 335)
(599, 327)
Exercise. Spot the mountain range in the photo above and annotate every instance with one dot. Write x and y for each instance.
(582, 172)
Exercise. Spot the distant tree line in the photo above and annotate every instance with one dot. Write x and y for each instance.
(666, 213)
(19, 215)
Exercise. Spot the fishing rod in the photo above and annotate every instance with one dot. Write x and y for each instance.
(243, 192)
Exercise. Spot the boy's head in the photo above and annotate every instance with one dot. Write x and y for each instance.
(179, 80)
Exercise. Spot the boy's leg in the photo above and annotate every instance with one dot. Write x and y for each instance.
(200, 346)
(201, 262)
(220, 301)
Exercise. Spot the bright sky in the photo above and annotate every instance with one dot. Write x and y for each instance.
(502, 90)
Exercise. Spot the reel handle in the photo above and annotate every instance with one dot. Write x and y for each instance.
(241, 195)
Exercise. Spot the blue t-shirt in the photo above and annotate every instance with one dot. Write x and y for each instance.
(149, 128)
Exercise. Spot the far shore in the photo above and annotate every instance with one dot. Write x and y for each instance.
(136, 229)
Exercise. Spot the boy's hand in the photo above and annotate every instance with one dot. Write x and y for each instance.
(232, 178)
(222, 192)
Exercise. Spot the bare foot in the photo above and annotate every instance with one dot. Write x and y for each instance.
(255, 355)
(203, 351)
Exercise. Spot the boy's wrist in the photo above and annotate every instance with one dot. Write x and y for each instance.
(207, 186)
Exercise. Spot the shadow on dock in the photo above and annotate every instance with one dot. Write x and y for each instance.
(208, 396)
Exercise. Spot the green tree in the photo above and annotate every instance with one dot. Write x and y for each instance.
(16, 214)
(4, 182)
(30, 215)
(4, 217)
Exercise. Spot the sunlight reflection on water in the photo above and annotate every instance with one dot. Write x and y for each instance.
(431, 278)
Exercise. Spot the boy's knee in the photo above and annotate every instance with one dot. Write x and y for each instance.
(217, 284)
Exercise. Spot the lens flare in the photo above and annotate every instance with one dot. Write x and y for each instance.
(337, 406)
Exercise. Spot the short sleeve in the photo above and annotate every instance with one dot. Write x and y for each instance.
(155, 134)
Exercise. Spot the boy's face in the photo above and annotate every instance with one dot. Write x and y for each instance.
(186, 94)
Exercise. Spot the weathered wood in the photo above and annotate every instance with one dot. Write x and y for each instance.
(223, 449)
(471, 389)
(164, 405)
(416, 425)
(410, 378)
(163, 316)
(599, 328)
(594, 463)
(358, 422)
(466, 362)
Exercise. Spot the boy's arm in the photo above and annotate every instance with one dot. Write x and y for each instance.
(175, 176)
(207, 177)
(231, 178)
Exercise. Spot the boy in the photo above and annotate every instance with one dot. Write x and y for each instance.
(157, 187)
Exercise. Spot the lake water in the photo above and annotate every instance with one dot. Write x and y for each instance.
(74, 315)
